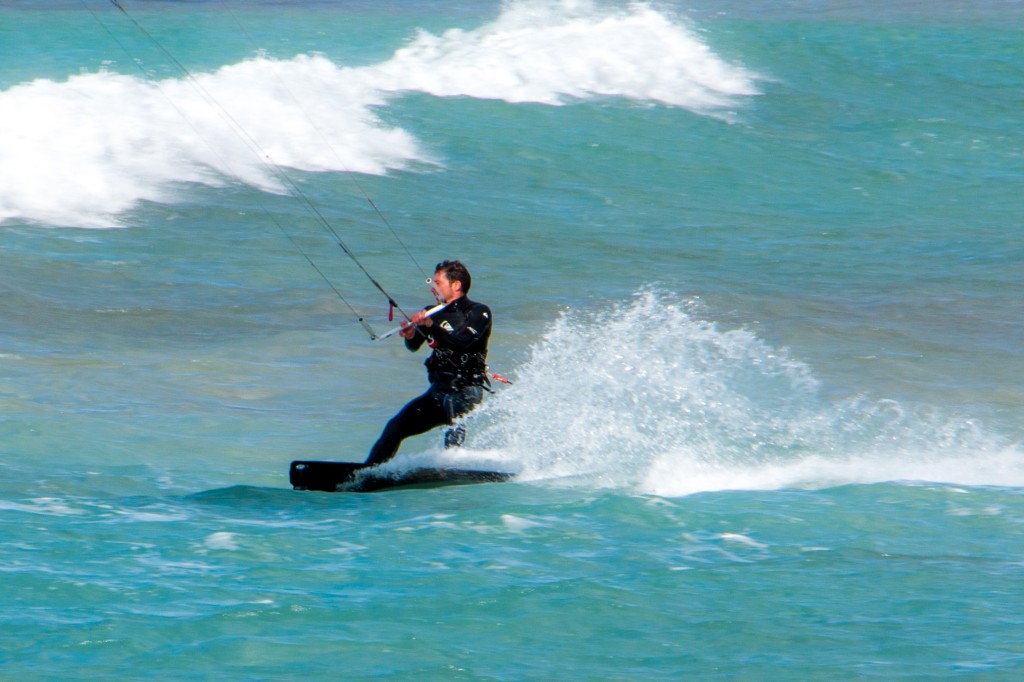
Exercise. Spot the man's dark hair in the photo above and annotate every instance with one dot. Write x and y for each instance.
(455, 271)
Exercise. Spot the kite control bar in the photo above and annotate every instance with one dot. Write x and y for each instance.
(428, 313)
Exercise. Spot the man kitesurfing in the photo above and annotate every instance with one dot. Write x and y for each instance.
(457, 369)
(458, 331)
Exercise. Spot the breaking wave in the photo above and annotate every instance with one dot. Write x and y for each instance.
(81, 152)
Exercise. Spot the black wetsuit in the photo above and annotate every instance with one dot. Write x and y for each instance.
(457, 370)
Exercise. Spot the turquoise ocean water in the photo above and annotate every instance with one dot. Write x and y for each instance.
(756, 270)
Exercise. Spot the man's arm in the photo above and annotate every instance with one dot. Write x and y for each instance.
(476, 326)
(416, 339)
(413, 333)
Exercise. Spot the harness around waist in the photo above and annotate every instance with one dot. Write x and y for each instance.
(469, 369)
(456, 382)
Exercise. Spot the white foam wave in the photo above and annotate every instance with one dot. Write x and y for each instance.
(550, 52)
(648, 395)
(83, 151)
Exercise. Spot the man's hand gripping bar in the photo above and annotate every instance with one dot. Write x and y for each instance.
(428, 313)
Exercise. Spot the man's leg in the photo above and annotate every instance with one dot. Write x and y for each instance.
(455, 406)
(418, 416)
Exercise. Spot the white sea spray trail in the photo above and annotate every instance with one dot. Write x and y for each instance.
(650, 395)
(81, 152)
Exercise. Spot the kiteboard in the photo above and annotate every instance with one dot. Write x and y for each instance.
(351, 477)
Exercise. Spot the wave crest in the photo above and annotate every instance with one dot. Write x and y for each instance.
(83, 151)
(551, 52)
